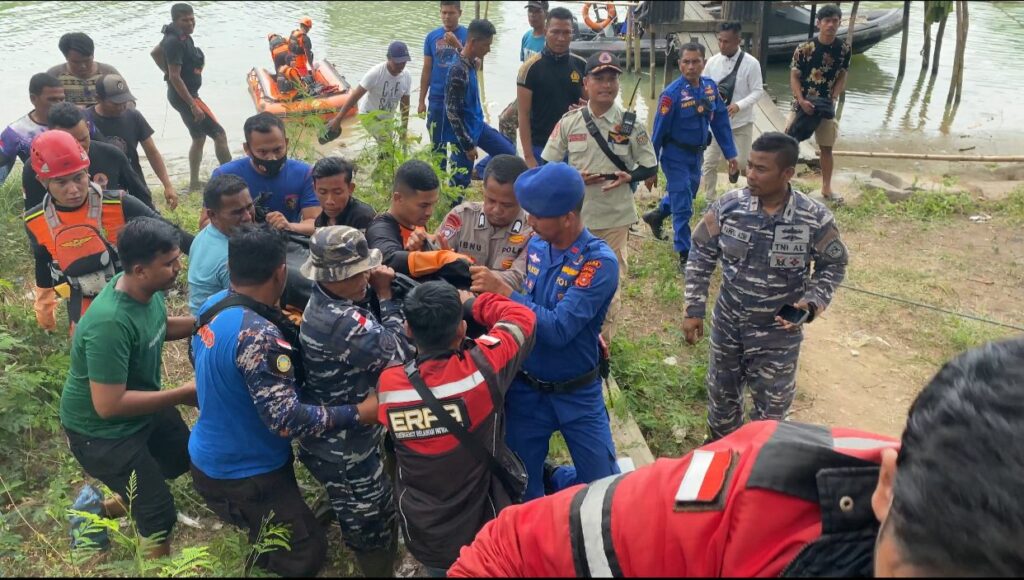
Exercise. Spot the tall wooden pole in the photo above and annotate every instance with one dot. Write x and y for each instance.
(963, 49)
(654, 60)
(958, 60)
(852, 28)
(903, 45)
(476, 9)
(926, 51)
(629, 38)
(938, 43)
(762, 52)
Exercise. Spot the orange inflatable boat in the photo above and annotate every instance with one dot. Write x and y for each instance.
(267, 98)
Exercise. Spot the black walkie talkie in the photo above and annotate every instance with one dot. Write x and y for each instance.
(629, 117)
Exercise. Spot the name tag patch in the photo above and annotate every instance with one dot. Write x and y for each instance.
(734, 232)
(577, 138)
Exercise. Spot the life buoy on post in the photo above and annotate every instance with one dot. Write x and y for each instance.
(598, 26)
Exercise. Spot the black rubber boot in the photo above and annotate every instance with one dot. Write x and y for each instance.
(655, 218)
(683, 258)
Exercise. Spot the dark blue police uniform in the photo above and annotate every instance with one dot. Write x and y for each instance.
(681, 132)
(559, 387)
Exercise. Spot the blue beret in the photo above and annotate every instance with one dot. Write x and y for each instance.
(551, 190)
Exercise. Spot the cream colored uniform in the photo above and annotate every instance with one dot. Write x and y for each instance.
(466, 230)
(608, 214)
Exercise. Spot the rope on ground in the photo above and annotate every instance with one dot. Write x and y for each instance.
(930, 307)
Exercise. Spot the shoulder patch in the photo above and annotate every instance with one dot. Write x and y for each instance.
(705, 479)
(281, 343)
(283, 363)
(488, 340)
(665, 105)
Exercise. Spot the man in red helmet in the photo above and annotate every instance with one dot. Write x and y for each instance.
(786, 499)
(302, 47)
(74, 231)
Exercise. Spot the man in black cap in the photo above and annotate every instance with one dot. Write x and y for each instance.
(124, 127)
(611, 152)
(388, 86)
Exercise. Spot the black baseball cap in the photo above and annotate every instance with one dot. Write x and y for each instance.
(111, 87)
(603, 61)
(543, 5)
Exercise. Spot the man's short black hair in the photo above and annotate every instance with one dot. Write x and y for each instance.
(40, 81)
(956, 508)
(255, 252)
(262, 123)
(180, 9)
(786, 148)
(220, 187)
(142, 239)
(481, 29)
(415, 176)
(693, 46)
(78, 42)
(455, 3)
(433, 311)
(559, 13)
(829, 11)
(732, 26)
(504, 169)
(64, 116)
(331, 166)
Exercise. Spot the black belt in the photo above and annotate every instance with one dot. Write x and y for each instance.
(568, 386)
(690, 148)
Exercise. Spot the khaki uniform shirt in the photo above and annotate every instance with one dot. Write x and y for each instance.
(466, 230)
(602, 209)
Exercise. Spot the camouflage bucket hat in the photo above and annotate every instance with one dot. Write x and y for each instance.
(337, 253)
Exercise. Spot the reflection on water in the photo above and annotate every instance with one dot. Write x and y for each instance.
(355, 35)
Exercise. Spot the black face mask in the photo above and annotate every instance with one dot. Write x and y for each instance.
(273, 168)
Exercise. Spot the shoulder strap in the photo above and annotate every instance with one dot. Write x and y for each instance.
(455, 428)
(735, 68)
(601, 141)
(273, 315)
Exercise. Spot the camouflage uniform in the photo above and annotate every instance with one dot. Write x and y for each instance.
(466, 230)
(344, 349)
(765, 264)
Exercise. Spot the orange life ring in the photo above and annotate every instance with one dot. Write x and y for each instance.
(598, 26)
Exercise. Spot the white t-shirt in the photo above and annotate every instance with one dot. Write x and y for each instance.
(383, 91)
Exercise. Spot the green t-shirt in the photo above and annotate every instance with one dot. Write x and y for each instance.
(118, 341)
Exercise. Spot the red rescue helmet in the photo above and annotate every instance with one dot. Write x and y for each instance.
(56, 154)
(306, 21)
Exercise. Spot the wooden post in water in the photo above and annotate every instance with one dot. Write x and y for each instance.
(629, 38)
(903, 45)
(956, 81)
(852, 27)
(938, 43)
(926, 51)
(654, 61)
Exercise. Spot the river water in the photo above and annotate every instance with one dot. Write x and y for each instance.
(354, 36)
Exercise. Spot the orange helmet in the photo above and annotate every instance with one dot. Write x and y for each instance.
(306, 21)
(56, 154)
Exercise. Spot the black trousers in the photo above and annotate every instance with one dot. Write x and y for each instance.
(246, 503)
(156, 453)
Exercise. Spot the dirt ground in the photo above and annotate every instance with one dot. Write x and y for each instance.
(863, 362)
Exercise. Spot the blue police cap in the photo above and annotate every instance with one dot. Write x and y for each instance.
(551, 190)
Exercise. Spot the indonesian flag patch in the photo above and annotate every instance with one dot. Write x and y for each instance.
(704, 481)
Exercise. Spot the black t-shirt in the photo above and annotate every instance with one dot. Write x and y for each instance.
(557, 83)
(357, 214)
(819, 66)
(124, 132)
(104, 159)
(180, 49)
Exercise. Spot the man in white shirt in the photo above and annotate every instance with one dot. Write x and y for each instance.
(746, 90)
(386, 86)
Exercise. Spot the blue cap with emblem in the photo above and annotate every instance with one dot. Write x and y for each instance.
(551, 190)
